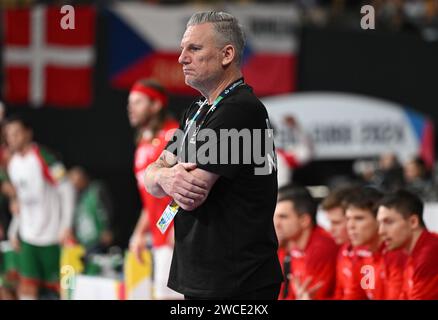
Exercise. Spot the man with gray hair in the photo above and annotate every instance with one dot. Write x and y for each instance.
(225, 242)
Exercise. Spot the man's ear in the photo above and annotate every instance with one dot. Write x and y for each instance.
(228, 54)
(414, 221)
(306, 220)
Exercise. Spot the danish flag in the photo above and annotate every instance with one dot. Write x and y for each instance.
(44, 63)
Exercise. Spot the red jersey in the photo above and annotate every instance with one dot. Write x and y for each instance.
(381, 272)
(363, 274)
(347, 282)
(394, 266)
(317, 260)
(148, 150)
(421, 273)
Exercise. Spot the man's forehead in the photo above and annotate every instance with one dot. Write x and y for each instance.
(197, 33)
(385, 212)
(286, 206)
(335, 211)
(355, 211)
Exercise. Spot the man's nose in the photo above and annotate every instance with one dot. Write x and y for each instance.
(182, 59)
(381, 229)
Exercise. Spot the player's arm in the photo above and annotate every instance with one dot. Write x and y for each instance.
(143, 223)
(209, 179)
(13, 231)
(153, 173)
(68, 201)
(138, 239)
(187, 185)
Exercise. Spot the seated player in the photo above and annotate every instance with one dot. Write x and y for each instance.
(401, 226)
(310, 249)
(371, 272)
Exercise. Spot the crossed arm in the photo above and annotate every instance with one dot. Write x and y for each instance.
(187, 185)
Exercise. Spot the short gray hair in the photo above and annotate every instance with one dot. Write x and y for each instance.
(227, 27)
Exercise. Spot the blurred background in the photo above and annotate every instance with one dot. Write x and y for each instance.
(347, 103)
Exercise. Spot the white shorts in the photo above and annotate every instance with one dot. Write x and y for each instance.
(162, 261)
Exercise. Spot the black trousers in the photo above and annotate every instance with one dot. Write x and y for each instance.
(266, 293)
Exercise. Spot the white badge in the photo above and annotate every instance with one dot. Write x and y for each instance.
(166, 218)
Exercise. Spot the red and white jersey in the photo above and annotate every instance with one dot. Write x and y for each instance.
(317, 260)
(394, 266)
(148, 150)
(421, 273)
(375, 270)
(347, 283)
(363, 274)
(46, 200)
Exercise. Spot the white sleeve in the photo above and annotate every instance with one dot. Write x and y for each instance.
(68, 201)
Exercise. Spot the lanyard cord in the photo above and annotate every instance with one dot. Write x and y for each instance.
(222, 95)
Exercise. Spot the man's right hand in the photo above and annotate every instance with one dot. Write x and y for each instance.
(182, 186)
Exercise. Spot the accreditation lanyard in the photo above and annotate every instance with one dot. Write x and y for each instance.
(172, 209)
(213, 107)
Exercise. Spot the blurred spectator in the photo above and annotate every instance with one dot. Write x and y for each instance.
(8, 257)
(43, 210)
(365, 170)
(147, 113)
(93, 212)
(418, 180)
(295, 149)
(389, 175)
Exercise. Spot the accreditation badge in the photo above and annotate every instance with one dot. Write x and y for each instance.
(166, 218)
